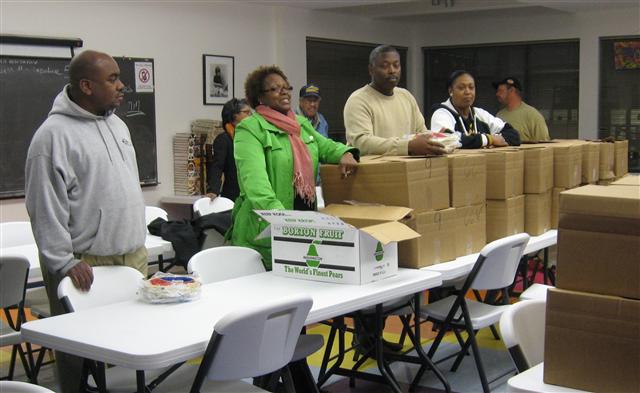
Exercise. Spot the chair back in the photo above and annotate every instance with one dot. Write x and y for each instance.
(319, 197)
(16, 233)
(498, 261)
(522, 330)
(111, 284)
(256, 340)
(153, 212)
(204, 206)
(22, 387)
(14, 272)
(224, 263)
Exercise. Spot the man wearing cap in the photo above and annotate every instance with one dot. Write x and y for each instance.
(309, 105)
(524, 118)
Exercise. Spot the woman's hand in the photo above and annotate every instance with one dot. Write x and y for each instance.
(211, 195)
(348, 165)
(498, 140)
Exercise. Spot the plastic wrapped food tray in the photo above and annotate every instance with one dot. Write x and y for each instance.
(170, 288)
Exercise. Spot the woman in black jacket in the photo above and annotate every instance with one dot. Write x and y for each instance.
(223, 162)
(474, 127)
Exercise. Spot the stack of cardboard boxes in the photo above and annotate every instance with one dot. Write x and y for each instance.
(419, 183)
(538, 185)
(505, 199)
(606, 163)
(471, 197)
(592, 336)
(468, 190)
(567, 173)
(621, 160)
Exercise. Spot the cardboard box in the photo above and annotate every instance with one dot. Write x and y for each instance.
(437, 242)
(628, 180)
(599, 240)
(592, 342)
(538, 168)
(555, 206)
(621, 161)
(537, 213)
(607, 160)
(320, 247)
(467, 179)
(505, 217)
(505, 173)
(421, 184)
(567, 164)
(590, 163)
(472, 234)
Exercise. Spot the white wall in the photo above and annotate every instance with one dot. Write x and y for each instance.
(586, 26)
(176, 35)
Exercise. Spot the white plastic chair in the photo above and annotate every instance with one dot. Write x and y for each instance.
(522, 327)
(495, 269)
(19, 233)
(16, 233)
(535, 292)
(22, 387)
(14, 271)
(248, 343)
(224, 263)
(204, 206)
(111, 284)
(153, 212)
(105, 279)
(319, 197)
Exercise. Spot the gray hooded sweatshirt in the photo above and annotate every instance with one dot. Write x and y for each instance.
(82, 188)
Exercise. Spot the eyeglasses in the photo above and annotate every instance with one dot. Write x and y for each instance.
(278, 89)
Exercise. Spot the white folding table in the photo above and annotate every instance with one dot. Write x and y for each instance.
(461, 266)
(156, 248)
(120, 333)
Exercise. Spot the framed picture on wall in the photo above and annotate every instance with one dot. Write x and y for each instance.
(217, 79)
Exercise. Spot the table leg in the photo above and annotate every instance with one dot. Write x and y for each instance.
(379, 350)
(142, 387)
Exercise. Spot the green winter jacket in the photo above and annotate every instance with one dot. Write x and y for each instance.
(265, 174)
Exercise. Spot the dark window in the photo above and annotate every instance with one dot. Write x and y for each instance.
(547, 70)
(619, 114)
(339, 68)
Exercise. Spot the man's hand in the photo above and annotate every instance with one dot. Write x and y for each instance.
(211, 195)
(498, 140)
(422, 145)
(81, 276)
(348, 165)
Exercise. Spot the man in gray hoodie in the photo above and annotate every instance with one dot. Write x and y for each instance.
(82, 188)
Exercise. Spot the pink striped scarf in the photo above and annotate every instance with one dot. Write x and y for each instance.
(303, 178)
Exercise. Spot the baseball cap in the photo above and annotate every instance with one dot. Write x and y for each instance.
(310, 90)
(509, 81)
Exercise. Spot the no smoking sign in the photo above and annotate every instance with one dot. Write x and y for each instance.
(144, 77)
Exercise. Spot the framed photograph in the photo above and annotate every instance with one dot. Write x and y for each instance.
(218, 79)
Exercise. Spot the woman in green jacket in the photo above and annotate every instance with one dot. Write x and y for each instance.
(277, 155)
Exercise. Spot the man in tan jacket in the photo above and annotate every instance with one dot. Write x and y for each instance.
(381, 118)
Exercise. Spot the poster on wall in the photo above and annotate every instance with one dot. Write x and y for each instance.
(218, 79)
(626, 55)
